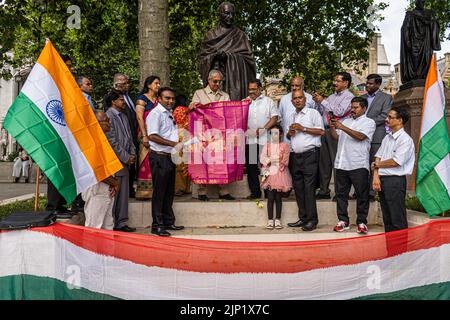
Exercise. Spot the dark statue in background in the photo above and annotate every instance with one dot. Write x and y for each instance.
(226, 48)
(420, 37)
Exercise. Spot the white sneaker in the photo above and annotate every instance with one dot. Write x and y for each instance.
(278, 224)
(269, 224)
(362, 228)
(341, 226)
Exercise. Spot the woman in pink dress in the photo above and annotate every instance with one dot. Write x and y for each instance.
(275, 171)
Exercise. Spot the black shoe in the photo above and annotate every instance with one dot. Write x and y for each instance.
(322, 196)
(174, 227)
(27, 180)
(161, 232)
(63, 214)
(203, 198)
(16, 180)
(125, 229)
(297, 224)
(253, 197)
(309, 226)
(227, 197)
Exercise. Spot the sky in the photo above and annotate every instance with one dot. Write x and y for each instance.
(390, 30)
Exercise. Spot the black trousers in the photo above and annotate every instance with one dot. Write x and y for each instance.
(55, 201)
(252, 166)
(392, 196)
(359, 178)
(274, 197)
(328, 152)
(373, 151)
(163, 177)
(303, 168)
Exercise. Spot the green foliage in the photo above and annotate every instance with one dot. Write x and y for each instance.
(306, 37)
(27, 205)
(441, 9)
(106, 43)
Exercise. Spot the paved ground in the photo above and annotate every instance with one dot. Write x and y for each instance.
(12, 190)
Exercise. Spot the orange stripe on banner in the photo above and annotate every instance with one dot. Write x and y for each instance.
(248, 257)
(79, 117)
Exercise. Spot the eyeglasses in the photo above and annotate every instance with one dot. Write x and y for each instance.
(217, 81)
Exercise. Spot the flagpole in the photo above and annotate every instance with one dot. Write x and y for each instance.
(36, 196)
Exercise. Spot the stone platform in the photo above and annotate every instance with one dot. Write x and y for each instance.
(240, 213)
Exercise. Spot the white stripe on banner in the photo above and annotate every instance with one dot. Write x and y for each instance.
(434, 109)
(41, 89)
(443, 171)
(43, 255)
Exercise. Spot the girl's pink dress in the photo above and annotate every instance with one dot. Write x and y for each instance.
(278, 155)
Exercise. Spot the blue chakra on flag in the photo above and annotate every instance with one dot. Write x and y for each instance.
(55, 112)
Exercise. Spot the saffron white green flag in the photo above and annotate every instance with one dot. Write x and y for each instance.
(433, 167)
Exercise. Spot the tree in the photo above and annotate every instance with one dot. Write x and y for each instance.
(441, 10)
(106, 43)
(306, 37)
(154, 40)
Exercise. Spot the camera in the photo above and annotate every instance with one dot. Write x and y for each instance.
(331, 114)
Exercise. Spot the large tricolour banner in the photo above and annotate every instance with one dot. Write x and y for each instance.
(220, 127)
(73, 262)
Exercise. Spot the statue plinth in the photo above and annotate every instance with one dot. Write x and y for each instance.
(411, 95)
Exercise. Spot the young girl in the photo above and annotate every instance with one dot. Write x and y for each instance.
(276, 177)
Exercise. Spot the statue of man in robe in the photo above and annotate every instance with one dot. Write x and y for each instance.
(420, 37)
(226, 48)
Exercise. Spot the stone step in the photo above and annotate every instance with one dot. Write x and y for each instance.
(239, 213)
(6, 169)
(261, 234)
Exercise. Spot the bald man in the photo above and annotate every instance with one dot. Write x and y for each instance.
(287, 109)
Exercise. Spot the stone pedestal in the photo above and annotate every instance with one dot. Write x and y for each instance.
(411, 95)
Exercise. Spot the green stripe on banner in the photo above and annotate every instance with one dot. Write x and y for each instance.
(33, 131)
(27, 287)
(437, 291)
(433, 194)
(434, 146)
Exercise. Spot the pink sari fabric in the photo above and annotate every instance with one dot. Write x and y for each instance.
(144, 174)
(220, 127)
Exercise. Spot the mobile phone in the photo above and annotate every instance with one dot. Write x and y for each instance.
(331, 114)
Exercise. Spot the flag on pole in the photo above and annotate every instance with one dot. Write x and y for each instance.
(433, 168)
(54, 123)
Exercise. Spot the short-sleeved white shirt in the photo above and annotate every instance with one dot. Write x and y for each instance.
(311, 119)
(260, 111)
(161, 122)
(399, 147)
(351, 153)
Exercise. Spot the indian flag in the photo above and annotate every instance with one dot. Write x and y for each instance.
(54, 123)
(433, 168)
(73, 262)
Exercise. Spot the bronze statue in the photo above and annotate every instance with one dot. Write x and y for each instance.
(227, 49)
(420, 37)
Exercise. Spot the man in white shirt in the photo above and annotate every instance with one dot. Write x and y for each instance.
(352, 163)
(287, 109)
(393, 162)
(339, 104)
(163, 137)
(262, 115)
(211, 93)
(305, 133)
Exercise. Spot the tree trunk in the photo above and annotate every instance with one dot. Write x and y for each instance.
(154, 40)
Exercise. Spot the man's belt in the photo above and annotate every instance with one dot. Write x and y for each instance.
(315, 149)
(161, 153)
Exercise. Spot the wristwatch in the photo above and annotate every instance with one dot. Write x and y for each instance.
(304, 129)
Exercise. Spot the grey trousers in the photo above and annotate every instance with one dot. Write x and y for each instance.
(328, 152)
(120, 208)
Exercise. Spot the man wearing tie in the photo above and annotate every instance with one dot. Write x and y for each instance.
(122, 85)
(379, 105)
